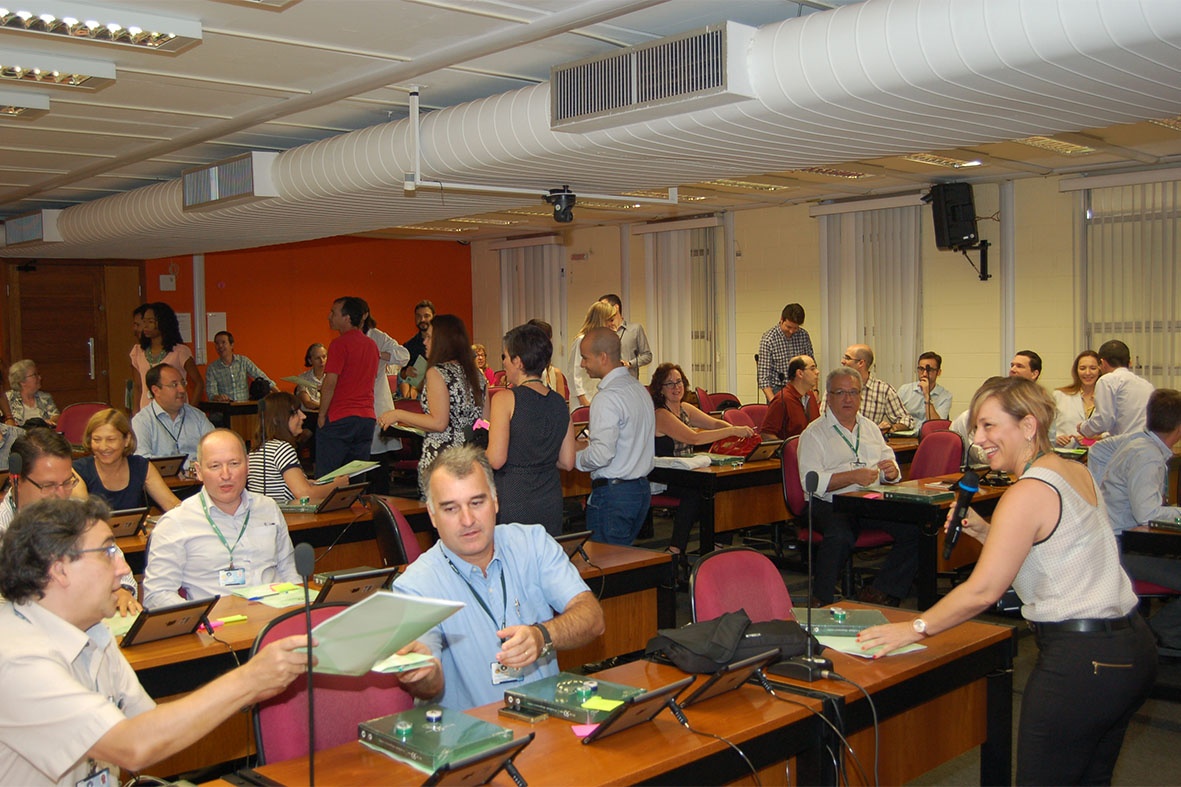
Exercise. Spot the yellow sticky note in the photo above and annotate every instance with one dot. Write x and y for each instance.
(234, 619)
(601, 703)
(280, 587)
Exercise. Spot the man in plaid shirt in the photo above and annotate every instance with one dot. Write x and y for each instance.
(778, 346)
(880, 403)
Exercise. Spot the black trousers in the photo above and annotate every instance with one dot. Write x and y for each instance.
(840, 533)
(1078, 702)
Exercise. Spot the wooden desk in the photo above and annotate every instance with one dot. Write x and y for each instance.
(933, 705)
(769, 732)
(904, 448)
(1151, 540)
(929, 518)
(241, 417)
(732, 497)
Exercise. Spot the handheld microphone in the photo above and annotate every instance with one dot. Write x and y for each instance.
(966, 489)
(305, 564)
(16, 469)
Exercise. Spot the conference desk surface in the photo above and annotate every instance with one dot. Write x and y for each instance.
(929, 518)
(733, 498)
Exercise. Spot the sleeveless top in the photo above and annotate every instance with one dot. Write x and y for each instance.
(131, 496)
(1074, 572)
(666, 446)
(529, 483)
(266, 467)
(463, 412)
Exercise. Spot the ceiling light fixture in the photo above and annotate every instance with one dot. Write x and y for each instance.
(489, 222)
(19, 105)
(831, 172)
(85, 22)
(434, 228)
(940, 161)
(663, 194)
(1173, 122)
(747, 185)
(22, 66)
(1055, 146)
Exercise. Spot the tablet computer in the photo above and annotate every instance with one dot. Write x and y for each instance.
(572, 542)
(169, 466)
(174, 621)
(338, 498)
(768, 449)
(731, 677)
(479, 768)
(347, 587)
(128, 521)
(637, 710)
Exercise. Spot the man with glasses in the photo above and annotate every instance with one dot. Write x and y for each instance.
(847, 451)
(879, 400)
(42, 467)
(797, 405)
(168, 426)
(925, 399)
(72, 711)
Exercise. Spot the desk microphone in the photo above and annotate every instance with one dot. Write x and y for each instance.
(966, 489)
(305, 564)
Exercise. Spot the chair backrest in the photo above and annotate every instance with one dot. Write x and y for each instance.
(342, 701)
(793, 490)
(499, 378)
(931, 427)
(727, 580)
(940, 453)
(71, 422)
(581, 415)
(722, 400)
(493, 390)
(757, 413)
(738, 418)
(704, 401)
(395, 538)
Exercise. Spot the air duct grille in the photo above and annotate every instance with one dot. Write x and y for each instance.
(244, 178)
(697, 70)
(39, 227)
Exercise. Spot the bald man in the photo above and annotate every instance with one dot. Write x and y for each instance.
(880, 403)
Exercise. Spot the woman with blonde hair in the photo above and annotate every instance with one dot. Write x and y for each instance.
(582, 385)
(113, 471)
(1075, 402)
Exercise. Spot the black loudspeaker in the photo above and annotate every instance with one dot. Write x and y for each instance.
(954, 213)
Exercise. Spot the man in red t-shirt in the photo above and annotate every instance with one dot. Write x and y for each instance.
(347, 419)
(797, 405)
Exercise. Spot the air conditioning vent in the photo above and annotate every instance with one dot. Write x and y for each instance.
(697, 70)
(39, 227)
(245, 178)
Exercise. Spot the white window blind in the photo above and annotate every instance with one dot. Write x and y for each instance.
(533, 286)
(871, 285)
(681, 282)
(1131, 270)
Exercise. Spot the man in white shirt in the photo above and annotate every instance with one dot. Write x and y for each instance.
(1027, 364)
(846, 450)
(72, 711)
(927, 400)
(168, 426)
(1121, 398)
(622, 434)
(221, 538)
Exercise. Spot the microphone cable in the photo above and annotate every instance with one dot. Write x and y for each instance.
(679, 713)
(873, 712)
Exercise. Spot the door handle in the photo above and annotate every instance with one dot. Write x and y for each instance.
(90, 350)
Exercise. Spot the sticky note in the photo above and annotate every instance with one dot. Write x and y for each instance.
(234, 619)
(601, 703)
(873, 496)
(280, 587)
(582, 730)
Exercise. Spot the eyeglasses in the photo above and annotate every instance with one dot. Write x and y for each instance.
(674, 384)
(110, 549)
(171, 385)
(927, 369)
(65, 486)
(842, 393)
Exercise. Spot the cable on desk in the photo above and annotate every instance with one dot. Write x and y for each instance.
(873, 711)
(679, 713)
(340, 535)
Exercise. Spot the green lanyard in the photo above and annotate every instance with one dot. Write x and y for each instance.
(217, 530)
(856, 449)
(480, 601)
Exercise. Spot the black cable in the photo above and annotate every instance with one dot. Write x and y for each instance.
(873, 712)
(340, 535)
(679, 713)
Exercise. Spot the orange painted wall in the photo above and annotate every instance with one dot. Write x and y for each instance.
(277, 298)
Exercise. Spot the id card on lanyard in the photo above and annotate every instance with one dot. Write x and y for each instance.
(499, 673)
(227, 577)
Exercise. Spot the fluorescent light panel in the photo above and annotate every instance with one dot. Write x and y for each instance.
(940, 161)
(23, 66)
(831, 172)
(746, 185)
(18, 104)
(1173, 123)
(86, 22)
(663, 194)
(1056, 146)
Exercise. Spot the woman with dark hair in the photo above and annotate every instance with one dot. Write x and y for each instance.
(161, 343)
(309, 393)
(455, 386)
(680, 427)
(113, 471)
(274, 468)
(1050, 539)
(529, 437)
(1075, 402)
(552, 377)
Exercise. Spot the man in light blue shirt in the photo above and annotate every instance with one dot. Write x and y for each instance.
(1120, 395)
(168, 426)
(523, 597)
(622, 439)
(925, 399)
(1134, 479)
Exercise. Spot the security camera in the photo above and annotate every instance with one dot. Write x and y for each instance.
(563, 200)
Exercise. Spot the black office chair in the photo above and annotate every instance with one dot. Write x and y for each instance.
(395, 538)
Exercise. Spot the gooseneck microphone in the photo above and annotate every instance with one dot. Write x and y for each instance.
(305, 564)
(965, 489)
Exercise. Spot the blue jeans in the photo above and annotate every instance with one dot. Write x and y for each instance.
(343, 440)
(615, 512)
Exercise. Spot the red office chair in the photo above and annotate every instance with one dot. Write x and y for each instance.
(723, 400)
(931, 427)
(342, 701)
(739, 418)
(493, 390)
(1149, 591)
(757, 413)
(409, 405)
(499, 378)
(727, 580)
(72, 420)
(581, 415)
(396, 541)
(704, 402)
(940, 453)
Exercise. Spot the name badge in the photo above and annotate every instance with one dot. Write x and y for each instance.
(98, 779)
(502, 674)
(231, 577)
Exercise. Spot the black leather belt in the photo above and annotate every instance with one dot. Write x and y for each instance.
(1083, 625)
(597, 482)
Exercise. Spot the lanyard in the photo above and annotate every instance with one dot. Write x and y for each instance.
(856, 449)
(480, 601)
(165, 423)
(217, 530)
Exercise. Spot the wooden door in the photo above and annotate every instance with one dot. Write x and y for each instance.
(57, 319)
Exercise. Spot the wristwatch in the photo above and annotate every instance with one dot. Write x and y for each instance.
(920, 626)
(547, 646)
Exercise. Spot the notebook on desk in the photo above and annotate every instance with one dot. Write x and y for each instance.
(338, 498)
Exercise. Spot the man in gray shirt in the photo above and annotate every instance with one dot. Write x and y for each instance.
(634, 351)
(622, 432)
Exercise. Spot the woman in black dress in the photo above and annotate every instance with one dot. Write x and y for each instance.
(530, 436)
